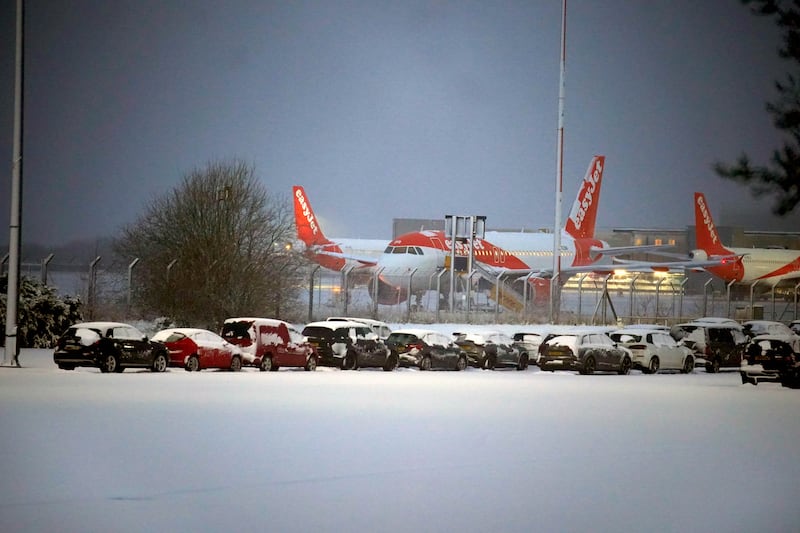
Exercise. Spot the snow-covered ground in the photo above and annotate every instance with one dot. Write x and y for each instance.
(402, 451)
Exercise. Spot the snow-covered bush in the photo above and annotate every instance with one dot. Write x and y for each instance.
(43, 314)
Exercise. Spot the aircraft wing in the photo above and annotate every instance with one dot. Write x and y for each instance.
(622, 250)
(671, 266)
(365, 261)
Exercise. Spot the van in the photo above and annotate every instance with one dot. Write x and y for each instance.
(716, 344)
(269, 343)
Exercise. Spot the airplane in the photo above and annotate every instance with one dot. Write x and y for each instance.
(768, 266)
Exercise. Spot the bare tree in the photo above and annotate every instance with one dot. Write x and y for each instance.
(214, 247)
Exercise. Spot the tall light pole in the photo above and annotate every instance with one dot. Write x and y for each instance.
(14, 247)
(555, 282)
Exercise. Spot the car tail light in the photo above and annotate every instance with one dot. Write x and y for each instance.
(414, 346)
(708, 351)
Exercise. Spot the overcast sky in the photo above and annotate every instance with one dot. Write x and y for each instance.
(386, 109)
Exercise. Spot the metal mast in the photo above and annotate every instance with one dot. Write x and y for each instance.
(555, 292)
(12, 300)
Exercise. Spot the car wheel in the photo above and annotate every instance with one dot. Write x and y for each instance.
(391, 363)
(625, 366)
(349, 361)
(688, 365)
(160, 363)
(236, 363)
(589, 366)
(523, 362)
(193, 364)
(713, 366)
(311, 364)
(266, 363)
(425, 364)
(652, 368)
(462, 363)
(110, 364)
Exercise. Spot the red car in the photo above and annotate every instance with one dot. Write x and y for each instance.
(270, 343)
(196, 349)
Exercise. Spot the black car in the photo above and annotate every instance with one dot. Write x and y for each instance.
(770, 358)
(348, 345)
(426, 349)
(491, 350)
(109, 346)
(718, 344)
(585, 352)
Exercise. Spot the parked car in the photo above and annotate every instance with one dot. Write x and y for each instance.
(754, 328)
(381, 329)
(794, 325)
(715, 345)
(269, 344)
(491, 349)
(195, 349)
(770, 358)
(109, 346)
(586, 352)
(654, 350)
(348, 345)
(426, 349)
(529, 342)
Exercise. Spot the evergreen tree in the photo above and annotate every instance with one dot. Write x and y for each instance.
(782, 177)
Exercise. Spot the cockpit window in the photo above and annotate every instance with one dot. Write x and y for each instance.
(400, 250)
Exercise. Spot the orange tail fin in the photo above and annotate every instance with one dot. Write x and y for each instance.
(308, 229)
(583, 216)
(705, 231)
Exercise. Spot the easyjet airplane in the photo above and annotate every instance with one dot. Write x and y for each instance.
(422, 254)
(765, 266)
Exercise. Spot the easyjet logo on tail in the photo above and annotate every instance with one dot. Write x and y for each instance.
(706, 218)
(305, 211)
(581, 221)
(590, 185)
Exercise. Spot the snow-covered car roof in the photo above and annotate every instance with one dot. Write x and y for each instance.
(101, 325)
(416, 331)
(189, 332)
(266, 321)
(335, 324)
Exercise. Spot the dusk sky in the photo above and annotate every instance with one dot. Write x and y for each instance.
(385, 109)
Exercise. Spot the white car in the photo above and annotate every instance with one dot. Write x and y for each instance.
(654, 349)
(755, 328)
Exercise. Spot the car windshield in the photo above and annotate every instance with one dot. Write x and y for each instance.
(236, 330)
(168, 336)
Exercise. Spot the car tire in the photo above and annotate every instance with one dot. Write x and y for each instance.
(589, 366)
(425, 364)
(654, 365)
(311, 364)
(110, 364)
(713, 366)
(461, 364)
(266, 364)
(688, 365)
(349, 361)
(625, 366)
(193, 364)
(236, 363)
(391, 363)
(523, 362)
(160, 363)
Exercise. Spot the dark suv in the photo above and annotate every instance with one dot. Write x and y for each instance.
(109, 346)
(348, 345)
(720, 345)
